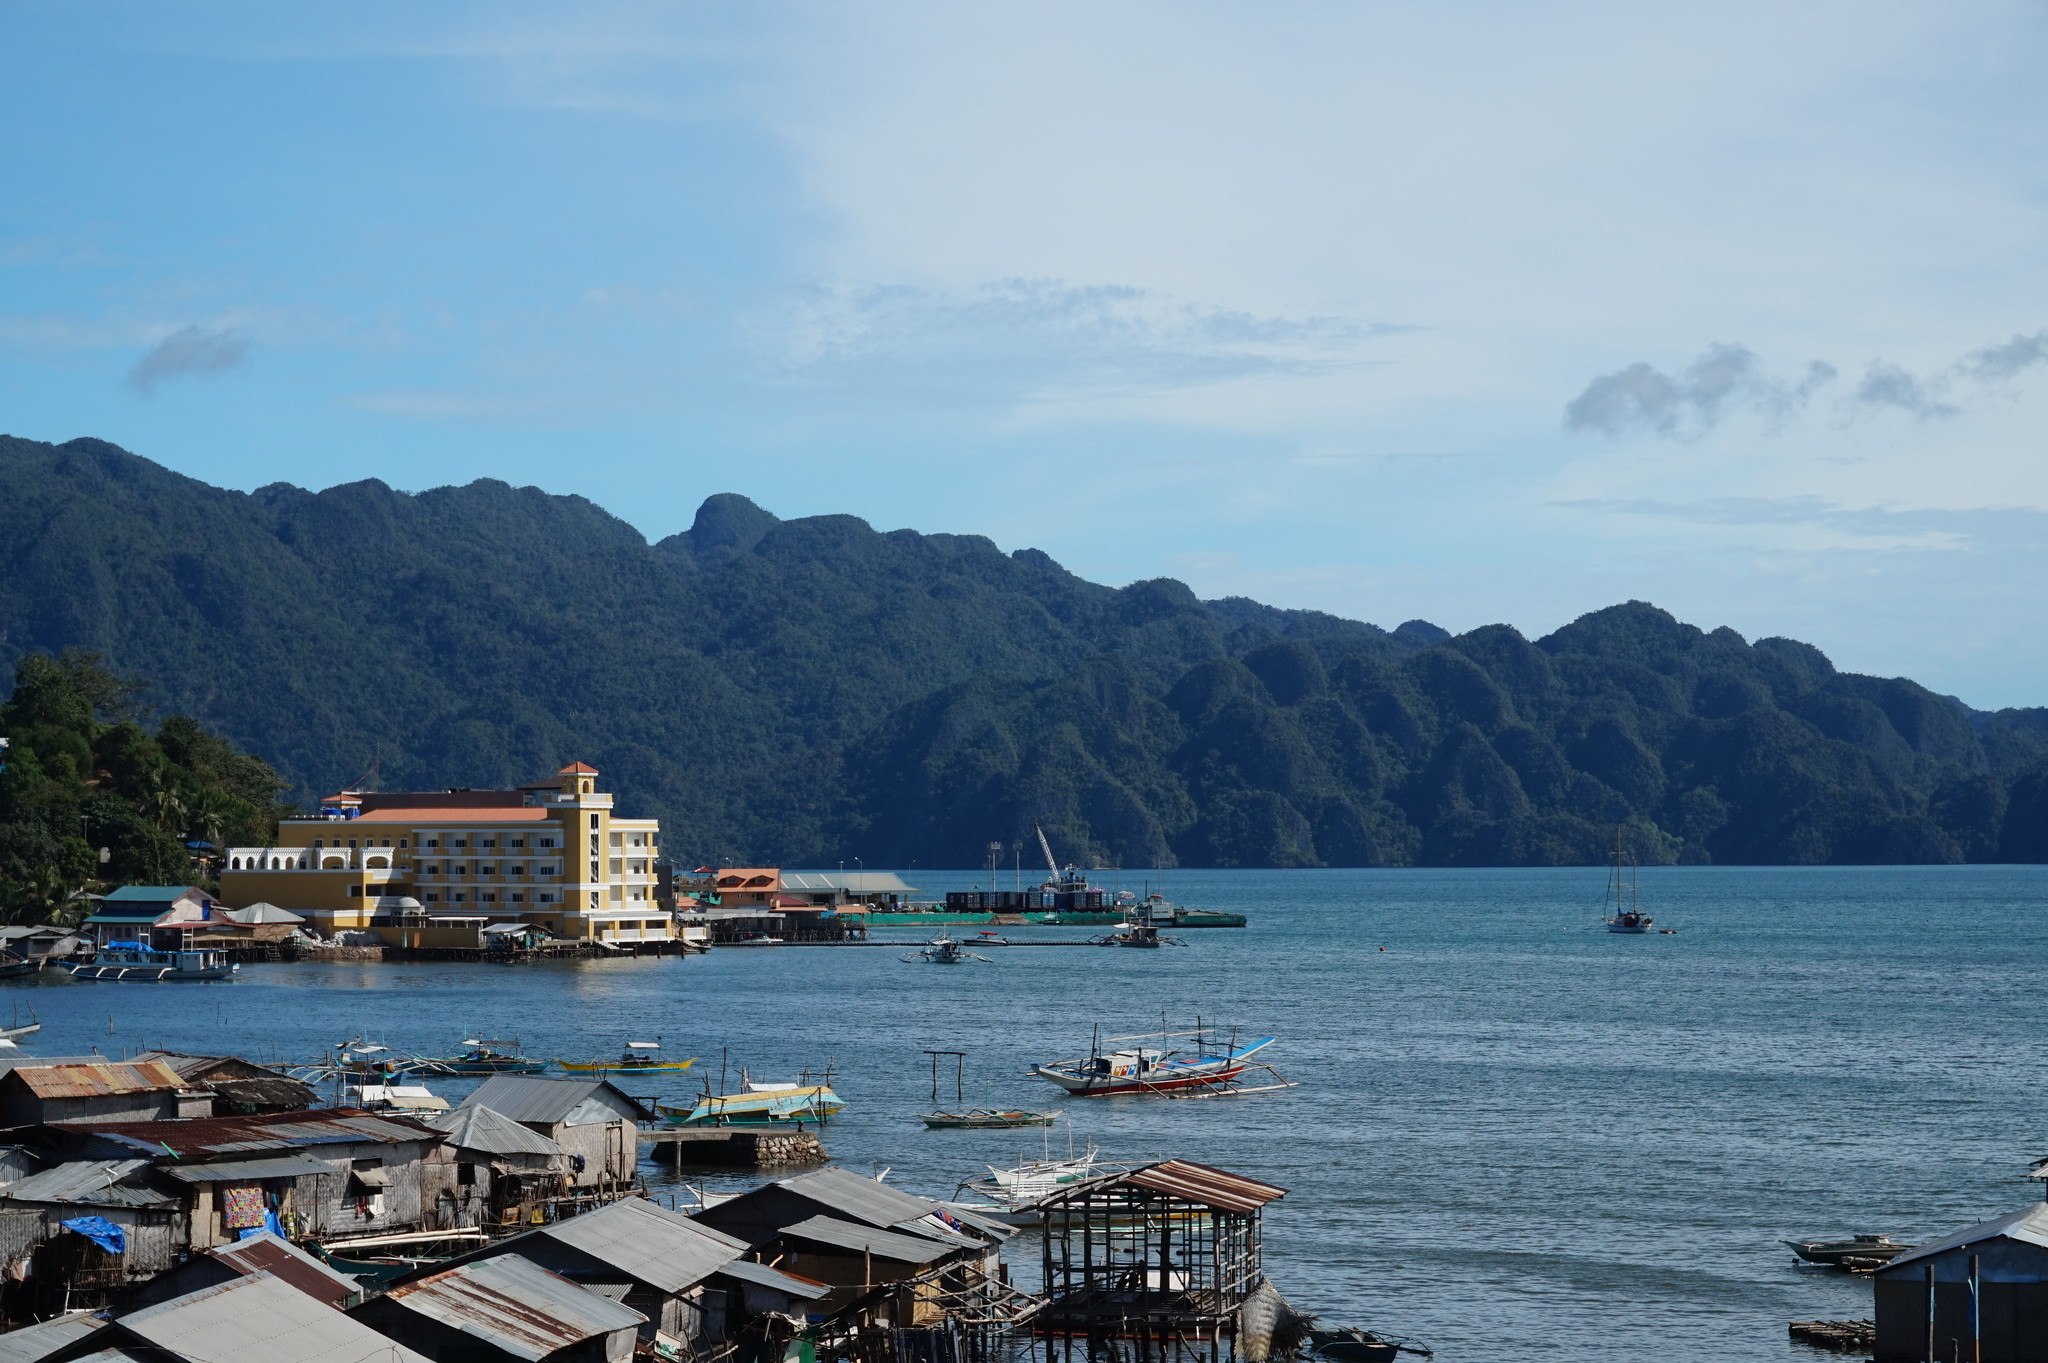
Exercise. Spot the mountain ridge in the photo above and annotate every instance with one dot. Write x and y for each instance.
(813, 689)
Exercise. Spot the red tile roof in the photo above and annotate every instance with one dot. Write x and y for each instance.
(578, 769)
(453, 814)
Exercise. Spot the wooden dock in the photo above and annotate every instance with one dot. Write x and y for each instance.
(1843, 1336)
(732, 1147)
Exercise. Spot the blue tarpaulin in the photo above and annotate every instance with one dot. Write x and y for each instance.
(101, 1232)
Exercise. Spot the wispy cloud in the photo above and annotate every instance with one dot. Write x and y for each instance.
(1730, 378)
(189, 352)
(1887, 385)
(1997, 363)
(1029, 338)
(1845, 526)
(1726, 378)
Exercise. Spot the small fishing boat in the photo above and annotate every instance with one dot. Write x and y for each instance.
(944, 950)
(759, 1103)
(1011, 1195)
(1626, 911)
(401, 1098)
(963, 1118)
(12, 966)
(132, 962)
(639, 1058)
(1354, 1345)
(1158, 1063)
(1852, 1251)
(18, 1032)
(486, 1057)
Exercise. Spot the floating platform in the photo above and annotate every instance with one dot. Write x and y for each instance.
(1843, 1336)
(728, 1147)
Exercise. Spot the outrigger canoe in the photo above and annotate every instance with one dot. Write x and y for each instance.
(638, 1059)
(1151, 1069)
(760, 1104)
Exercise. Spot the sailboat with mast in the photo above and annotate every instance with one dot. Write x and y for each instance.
(1624, 910)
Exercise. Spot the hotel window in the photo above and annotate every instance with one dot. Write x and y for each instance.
(487, 898)
(460, 842)
(433, 897)
(547, 842)
(488, 842)
(487, 870)
(458, 897)
(351, 842)
(593, 823)
(431, 842)
(401, 842)
(545, 899)
(319, 843)
(519, 842)
(518, 898)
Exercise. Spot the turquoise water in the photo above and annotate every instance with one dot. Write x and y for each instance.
(1516, 1136)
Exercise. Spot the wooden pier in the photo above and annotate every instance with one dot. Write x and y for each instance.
(734, 1147)
(1842, 1336)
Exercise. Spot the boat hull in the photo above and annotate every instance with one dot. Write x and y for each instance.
(1632, 929)
(149, 974)
(1100, 1086)
(986, 1121)
(595, 1068)
(787, 1107)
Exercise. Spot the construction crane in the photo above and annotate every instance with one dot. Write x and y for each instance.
(1046, 847)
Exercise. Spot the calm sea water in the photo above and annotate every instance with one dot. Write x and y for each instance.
(1516, 1136)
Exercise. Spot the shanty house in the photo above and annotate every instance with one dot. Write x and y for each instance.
(239, 1086)
(2002, 1263)
(104, 1225)
(596, 1123)
(33, 1093)
(856, 1234)
(254, 1319)
(498, 1170)
(504, 1310)
(40, 942)
(259, 1252)
(692, 1283)
(331, 1172)
(1167, 1253)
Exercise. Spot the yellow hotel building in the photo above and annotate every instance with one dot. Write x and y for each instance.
(439, 868)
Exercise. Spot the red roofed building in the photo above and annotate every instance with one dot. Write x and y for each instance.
(435, 868)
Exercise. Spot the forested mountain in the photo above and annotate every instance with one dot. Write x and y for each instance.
(807, 691)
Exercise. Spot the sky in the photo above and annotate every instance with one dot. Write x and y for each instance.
(1471, 313)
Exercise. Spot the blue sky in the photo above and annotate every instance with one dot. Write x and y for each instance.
(1486, 313)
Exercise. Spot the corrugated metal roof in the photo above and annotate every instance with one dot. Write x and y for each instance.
(907, 1249)
(747, 1271)
(266, 1253)
(249, 1170)
(491, 1132)
(90, 1183)
(150, 894)
(262, 912)
(515, 1305)
(99, 1078)
(185, 1137)
(1205, 1186)
(260, 1319)
(34, 1343)
(536, 1098)
(2028, 1225)
(859, 1199)
(853, 882)
(656, 1246)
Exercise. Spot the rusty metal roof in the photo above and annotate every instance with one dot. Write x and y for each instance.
(515, 1305)
(33, 1343)
(1201, 1184)
(264, 1252)
(99, 1078)
(189, 1137)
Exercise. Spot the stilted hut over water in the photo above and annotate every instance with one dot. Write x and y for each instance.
(1162, 1263)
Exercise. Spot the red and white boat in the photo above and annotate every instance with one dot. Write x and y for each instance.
(1163, 1062)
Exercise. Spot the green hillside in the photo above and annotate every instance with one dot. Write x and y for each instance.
(807, 691)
